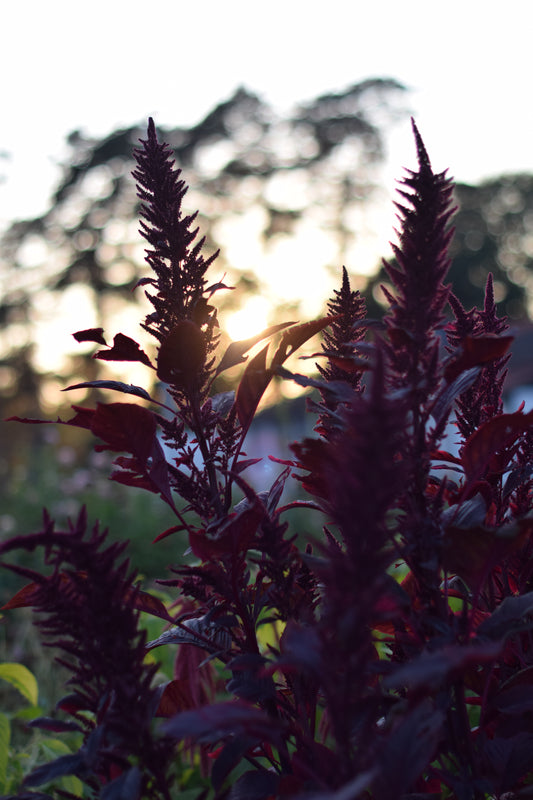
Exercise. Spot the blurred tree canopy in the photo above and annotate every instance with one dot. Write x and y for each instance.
(288, 201)
(493, 233)
(273, 193)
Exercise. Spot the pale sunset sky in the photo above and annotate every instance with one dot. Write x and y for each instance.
(108, 63)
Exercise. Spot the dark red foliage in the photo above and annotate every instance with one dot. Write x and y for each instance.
(386, 652)
(124, 349)
(88, 610)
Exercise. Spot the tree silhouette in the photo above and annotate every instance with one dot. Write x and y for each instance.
(306, 171)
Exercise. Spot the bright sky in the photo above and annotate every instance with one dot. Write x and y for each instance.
(108, 63)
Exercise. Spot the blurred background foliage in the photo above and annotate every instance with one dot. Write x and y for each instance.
(287, 200)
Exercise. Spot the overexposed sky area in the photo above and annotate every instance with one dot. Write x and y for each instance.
(107, 63)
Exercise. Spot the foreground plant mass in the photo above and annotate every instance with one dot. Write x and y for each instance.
(388, 656)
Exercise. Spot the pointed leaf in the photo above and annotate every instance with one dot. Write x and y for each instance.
(23, 598)
(91, 335)
(124, 349)
(168, 532)
(217, 721)
(408, 751)
(176, 697)
(490, 438)
(144, 601)
(234, 535)
(448, 394)
(472, 551)
(507, 759)
(126, 787)
(513, 614)
(516, 700)
(254, 382)
(126, 388)
(296, 337)
(22, 679)
(198, 631)
(341, 390)
(241, 466)
(55, 725)
(431, 670)
(125, 427)
(477, 350)
(235, 352)
(229, 756)
(64, 765)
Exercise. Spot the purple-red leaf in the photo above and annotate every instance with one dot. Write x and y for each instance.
(176, 697)
(513, 614)
(144, 601)
(125, 388)
(407, 751)
(472, 551)
(431, 670)
(182, 354)
(64, 765)
(296, 337)
(448, 394)
(91, 335)
(124, 427)
(168, 532)
(477, 350)
(55, 725)
(254, 382)
(23, 598)
(494, 436)
(217, 721)
(124, 349)
(235, 352)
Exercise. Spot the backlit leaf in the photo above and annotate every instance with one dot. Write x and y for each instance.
(296, 337)
(90, 335)
(124, 349)
(254, 381)
(22, 679)
(235, 352)
(126, 388)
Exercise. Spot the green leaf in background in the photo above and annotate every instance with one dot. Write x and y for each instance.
(52, 748)
(28, 713)
(22, 679)
(5, 733)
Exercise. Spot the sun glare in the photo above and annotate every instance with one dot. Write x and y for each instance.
(252, 318)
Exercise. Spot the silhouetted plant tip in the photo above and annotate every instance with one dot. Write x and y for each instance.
(380, 649)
